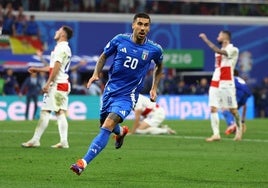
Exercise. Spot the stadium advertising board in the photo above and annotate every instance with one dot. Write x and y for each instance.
(185, 59)
(83, 107)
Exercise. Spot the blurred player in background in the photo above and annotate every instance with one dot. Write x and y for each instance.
(32, 88)
(133, 54)
(222, 86)
(148, 118)
(56, 90)
(242, 94)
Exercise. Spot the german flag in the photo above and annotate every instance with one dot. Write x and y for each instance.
(25, 44)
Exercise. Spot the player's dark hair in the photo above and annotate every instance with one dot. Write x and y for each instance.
(68, 31)
(141, 15)
(228, 33)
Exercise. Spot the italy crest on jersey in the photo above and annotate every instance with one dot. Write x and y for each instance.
(145, 54)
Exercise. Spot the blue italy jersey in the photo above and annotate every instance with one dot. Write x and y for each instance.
(242, 91)
(130, 64)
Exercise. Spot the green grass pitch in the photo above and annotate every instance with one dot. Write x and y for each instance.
(162, 161)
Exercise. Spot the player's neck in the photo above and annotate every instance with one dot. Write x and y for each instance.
(224, 44)
(138, 41)
(61, 39)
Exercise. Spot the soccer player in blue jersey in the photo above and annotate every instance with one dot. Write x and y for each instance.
(133, 54)
(242, 94)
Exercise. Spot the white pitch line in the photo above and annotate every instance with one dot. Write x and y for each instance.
(203, 138)
(158, 136)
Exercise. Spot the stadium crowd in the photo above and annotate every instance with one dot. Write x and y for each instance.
(15, 22)
(185, 7)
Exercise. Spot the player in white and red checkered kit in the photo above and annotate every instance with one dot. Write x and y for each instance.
(56, 90)
(148, 118)
(222, 93)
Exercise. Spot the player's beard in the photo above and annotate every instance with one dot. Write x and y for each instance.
(220, 42)
(140, 39)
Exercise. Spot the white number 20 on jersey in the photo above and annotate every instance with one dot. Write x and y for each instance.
(131, 62)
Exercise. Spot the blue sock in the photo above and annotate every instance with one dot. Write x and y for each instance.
(97, 144)
(228, 117)
(116, 129)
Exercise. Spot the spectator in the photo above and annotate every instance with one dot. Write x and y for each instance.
(67, 6)
(8, 8)
(89, 5)
(31, 87)
(126, 6)
(75, 5)
(98, 5)
(34, 5)
(141, 4)
(261, 9)
(1, 17)
(21, 13)
(8, 24)
(25, 5)
(182, 88)
(168, 84)
(20, 23)
(32, 28)
(185, 8)
(11, 86)
(262, 99)
(44, 5)
(203, 87)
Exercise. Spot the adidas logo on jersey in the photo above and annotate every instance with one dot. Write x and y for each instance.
(123, 112)
(123, 50)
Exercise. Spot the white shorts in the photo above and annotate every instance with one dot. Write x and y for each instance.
(56, 99)
(222, 97)
(156, 117)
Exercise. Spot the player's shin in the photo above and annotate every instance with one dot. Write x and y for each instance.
(239, 131)
(41, 125)
(97, 145)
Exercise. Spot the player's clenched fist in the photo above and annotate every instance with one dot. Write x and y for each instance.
(203, 36)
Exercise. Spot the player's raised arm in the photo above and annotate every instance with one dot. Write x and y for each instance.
(98, 68)
(212, 45)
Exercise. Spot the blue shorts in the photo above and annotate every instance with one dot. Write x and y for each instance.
(121, 106)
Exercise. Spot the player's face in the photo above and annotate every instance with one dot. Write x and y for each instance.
(141, 26)
(221, 38)
(59, 34)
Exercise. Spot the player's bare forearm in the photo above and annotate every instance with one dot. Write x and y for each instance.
(52, 76)
(212, 45)
(156, 79)
(38, 69)
(100, 64)
(54, 72)
(98, 68)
